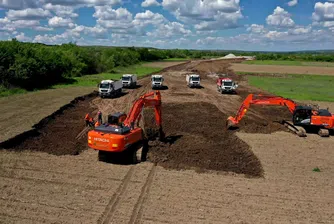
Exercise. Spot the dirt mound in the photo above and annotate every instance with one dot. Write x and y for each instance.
(60, 133)
(196, 138)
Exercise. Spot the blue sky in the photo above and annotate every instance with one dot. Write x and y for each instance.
(273, 25)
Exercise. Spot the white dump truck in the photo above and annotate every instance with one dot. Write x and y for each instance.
(226, 85)
(193, 80)
(129, 80)
(157, 81)
(110, 88)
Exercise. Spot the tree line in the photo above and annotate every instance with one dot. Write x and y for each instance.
(33, 65)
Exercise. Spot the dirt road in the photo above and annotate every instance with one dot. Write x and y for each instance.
(38, 187)
(313, 70)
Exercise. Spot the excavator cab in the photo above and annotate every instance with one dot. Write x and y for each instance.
(302, 115)
(116, 119)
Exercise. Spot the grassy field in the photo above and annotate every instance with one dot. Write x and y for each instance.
(88, 80)
(298, 87)
(177, 59)
(291, 63)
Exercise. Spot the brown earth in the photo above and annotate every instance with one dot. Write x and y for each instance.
(61, 133)
(312, 70)
(38, 187)
(19, 113)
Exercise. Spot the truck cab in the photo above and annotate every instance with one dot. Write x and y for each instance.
(157, 81)
(129, 80)
(110, 88)
(226, 85)
(193, 80)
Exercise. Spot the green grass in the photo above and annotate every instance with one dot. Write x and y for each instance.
(316, 169)
(177, 59)
(8, 92)
(298, 87)
(93, 80)
(289, 63)
(89, 80)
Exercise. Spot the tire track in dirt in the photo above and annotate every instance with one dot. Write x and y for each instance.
(137, 212)
(109, 211)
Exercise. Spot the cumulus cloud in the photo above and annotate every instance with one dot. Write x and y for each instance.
(22, 37)
(29, 14)
(149, 3)
(18, 4)
(148, 17)
(255, 28)
(169, 30)
(280, 18)
(83, 2)
(206, 14)
(293, 3)
(57, 22)
(62, 11)
(323, 12)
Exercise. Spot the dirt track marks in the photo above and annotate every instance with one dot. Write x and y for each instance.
(138, 209)
(113, 203)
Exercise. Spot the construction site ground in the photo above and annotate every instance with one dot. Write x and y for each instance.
(259, 173)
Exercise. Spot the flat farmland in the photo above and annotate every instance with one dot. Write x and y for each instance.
(289, 69)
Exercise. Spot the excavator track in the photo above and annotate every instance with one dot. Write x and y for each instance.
(323, 132)
(300, 131)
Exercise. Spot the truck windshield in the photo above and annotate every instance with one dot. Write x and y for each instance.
(104, 85)
(196, 79)
(127, 78)
(228, 84)
(157, 79)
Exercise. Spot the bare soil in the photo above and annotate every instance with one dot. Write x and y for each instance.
(39, 187)
(196, 138)
(313, 70)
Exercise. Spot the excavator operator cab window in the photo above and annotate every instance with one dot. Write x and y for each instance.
(116, 119)
(302, 116)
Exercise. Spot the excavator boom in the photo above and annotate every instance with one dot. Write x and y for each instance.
(259, 100)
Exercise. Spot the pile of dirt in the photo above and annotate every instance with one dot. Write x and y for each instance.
(61, 133)
(197, 139)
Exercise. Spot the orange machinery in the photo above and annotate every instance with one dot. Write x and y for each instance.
(302, 116)
(122, 131)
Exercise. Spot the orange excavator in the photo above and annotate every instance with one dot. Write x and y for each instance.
(303, 117)
(122, 132)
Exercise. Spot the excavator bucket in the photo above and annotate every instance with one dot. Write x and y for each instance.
(231, 123)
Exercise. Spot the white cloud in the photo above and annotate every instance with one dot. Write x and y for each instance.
(12, 26)
(293, 3)
(29, 14)
(280, 18)
(83, 2)
(169, 30)
(149, 3)
(22, 37)
(255, 28)
(300, 30)
(62, 11)
(108, 13)
(323, 12)
(148, 17)
(18, 4)
(60, 22)
(206, 14)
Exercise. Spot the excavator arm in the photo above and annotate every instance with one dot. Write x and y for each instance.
(259, 100)
(152, 99)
